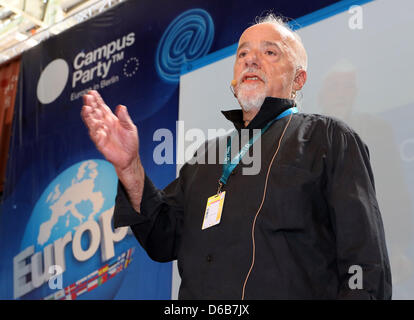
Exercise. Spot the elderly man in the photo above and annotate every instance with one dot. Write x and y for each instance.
(306, 227)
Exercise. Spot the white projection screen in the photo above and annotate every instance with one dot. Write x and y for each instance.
(362, 76)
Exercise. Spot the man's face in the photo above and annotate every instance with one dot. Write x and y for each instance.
(265, 64)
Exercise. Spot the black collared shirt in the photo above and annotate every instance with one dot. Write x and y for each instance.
(320, 217)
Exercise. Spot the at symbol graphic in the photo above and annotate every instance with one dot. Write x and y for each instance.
(188, 37)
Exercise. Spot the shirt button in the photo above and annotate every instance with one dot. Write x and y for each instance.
(209, 258)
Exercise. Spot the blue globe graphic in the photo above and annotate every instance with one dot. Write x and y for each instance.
(83, 191)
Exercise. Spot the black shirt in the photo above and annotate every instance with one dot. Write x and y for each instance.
(320, 217)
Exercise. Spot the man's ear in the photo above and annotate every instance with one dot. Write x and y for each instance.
(300, 79)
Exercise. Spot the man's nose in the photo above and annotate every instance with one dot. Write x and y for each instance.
(252, 60)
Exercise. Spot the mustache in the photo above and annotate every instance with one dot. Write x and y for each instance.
(259, 73)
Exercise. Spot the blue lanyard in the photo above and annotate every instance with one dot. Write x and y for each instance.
(228, 165)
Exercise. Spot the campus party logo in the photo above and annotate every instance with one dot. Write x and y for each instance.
(69, 223)
(88, 66)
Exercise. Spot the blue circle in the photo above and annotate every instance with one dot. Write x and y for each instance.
(81, 192)
(188, 37)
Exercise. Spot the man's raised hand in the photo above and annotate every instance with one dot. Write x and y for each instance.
(116, 137)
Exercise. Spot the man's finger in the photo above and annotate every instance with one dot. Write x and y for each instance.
(100, 137)
(123, 116)
(88, 113)
(97, 113)
(101, 103)
(90, 100)
(91, 122)
(85, 112)
(97, 96)
(86, 98)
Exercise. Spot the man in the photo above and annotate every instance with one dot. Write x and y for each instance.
(299, 229)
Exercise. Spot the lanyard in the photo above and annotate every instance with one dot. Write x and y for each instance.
(229, 166)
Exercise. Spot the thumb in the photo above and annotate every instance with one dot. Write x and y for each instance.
(123, 116)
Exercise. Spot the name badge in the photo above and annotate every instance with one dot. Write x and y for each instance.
(213, 211)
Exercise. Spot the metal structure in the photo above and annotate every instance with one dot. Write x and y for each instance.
(25, 23)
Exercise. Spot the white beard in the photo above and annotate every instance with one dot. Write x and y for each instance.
(247, 101)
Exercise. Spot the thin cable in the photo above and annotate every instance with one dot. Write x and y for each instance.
(260, 208)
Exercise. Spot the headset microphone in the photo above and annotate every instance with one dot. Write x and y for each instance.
(233, 84)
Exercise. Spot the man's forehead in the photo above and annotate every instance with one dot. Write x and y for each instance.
(265, 32)
(264, 43)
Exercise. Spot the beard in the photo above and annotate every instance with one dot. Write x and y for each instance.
(251, 95)
(248, 100)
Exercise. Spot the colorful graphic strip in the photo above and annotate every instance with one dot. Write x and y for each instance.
(94, 279)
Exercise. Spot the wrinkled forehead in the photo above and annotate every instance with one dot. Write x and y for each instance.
(266, 32)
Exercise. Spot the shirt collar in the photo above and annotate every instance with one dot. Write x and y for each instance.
(269, 110)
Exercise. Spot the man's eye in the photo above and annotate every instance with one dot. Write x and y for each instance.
(242, 54)
(270, 53)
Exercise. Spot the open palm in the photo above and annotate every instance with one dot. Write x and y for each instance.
(114, 135)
